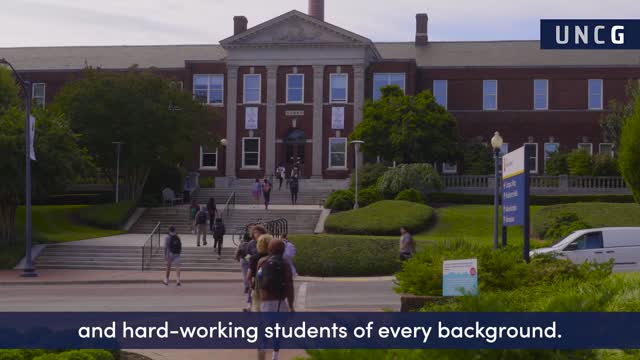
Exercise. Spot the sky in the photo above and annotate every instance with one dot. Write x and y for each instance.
(156, 22)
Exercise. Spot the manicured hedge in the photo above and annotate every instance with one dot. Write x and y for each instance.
(107, 216)
(482, 199)
(381, 218)
(77, 199)
(343, 255)
(56, 355)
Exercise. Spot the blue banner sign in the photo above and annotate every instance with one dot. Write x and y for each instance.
(514, 191)
(589, 34)
(191, 330)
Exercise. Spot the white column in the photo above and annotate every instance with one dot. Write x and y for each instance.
(270, 134)
(358, 100)
(231, 96)
(318, 104)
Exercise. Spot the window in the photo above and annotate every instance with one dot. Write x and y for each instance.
(449, 168)
(440, 92)
(533, 157)
(337, 152)
(250, 152)
(38, 94)
(381, 80)
(587, 241)
(490, 94)
(504, 149)
(540, 94)
(339, 88)
(595, 94)
(588, 147)
(295, 88)
(550, 148)
(606, 149)
(208, 157)
(252, 88)
(209, 89)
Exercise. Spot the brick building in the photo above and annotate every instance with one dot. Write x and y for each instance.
(293, 88)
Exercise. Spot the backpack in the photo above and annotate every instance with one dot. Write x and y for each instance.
(271, 275)
(202, 218)
(175, 245)
(218, 230)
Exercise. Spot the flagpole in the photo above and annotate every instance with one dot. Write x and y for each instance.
(28, 270)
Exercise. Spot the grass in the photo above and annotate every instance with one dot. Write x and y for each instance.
(381, 218)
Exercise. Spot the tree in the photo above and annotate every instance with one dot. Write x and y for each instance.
(477, 158)
(556, 164)
(59, 158)
(613, 122)
(579, 163)
(159, 124)
(629, 156)
(407, 129)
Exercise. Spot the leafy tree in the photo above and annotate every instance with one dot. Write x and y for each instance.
(422, 177)
(629, 156)
(580, 163)
(605, 165)
(407, 129)
(613, 122)
(59, 158)
(478, 159)
(159, 124)
(556, 163)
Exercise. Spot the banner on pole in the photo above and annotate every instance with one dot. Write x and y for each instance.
(251, 118)
(337, 118)
(514, 194)
(32, 135)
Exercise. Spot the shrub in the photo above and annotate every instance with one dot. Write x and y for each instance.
(629, 156)
(605, 165)
(341, 255)
(564, 225)
(207, 181)
(368, 196)
(368, 175)
(411, 195)
(340, 200)
(162, 177)
(579, 162)
(477, 159)
(556, 164)
(382, 218)
(422, 177)
(107, 216)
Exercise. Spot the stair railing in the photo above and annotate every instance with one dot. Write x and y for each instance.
(151, 247)
(229, 206)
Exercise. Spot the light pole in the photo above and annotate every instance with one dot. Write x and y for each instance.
(118, 146)
(28, 270)
(357, 144)
(496, 143)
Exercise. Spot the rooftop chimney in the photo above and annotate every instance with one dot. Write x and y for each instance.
(422, 22)
(239, 24)
(316, 9)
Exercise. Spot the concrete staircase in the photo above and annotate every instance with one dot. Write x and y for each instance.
(130, 258)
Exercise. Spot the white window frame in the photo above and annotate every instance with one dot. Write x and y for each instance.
(302, 99)
(544, 150)
(209, 76)
(446, 92)
(611, 153)
(346, 88)
(447, 169)
(590, 147)
(244, 166)
(546, 94)
(485, 94)
(531, 171)
(244, 89)
(388, 76)
(346, 150)
(42, 98)
(589, 93)
(202, 166)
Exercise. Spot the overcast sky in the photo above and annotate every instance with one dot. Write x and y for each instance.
(136, 22)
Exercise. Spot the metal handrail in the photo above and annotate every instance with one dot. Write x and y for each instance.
(147, 255)
(229, 206)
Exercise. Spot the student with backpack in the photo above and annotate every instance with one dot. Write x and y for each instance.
(193, 210)
(266, 193)
(172, 251)
(243, 254)
(293, 187)
(218, 235)
(212, 209)
(262, 247)
(201, 226)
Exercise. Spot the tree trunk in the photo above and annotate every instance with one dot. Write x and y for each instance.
(8, 207)
(136, 179)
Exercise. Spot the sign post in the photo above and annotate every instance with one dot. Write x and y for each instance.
(515, 194)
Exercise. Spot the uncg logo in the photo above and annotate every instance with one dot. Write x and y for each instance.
(598, 34)
(589, 34)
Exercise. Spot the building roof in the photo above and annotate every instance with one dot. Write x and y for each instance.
(435, 54)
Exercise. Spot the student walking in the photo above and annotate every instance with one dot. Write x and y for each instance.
(193, 210)
(201, 226)
(256, 190)
(186, 189)
(293, 187)
(266, 193)
(407, 244)
(212, 209)
(289, 253)
(280, 173)
(172, 251)
(245, 251)
(262, 247)
(241, 256)
(218, 231)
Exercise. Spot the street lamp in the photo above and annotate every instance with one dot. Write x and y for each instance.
(496, 143)
(223, 142)
(28, 270)
(118, 145)
(357, 144)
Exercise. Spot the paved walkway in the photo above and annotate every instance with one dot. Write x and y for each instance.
(137, 240)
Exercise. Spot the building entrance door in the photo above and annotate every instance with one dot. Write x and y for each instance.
(295, 143)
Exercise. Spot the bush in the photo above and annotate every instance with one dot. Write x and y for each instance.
(629, 156)
(368, 175)
(557, 164)
(605, 165)
(163, 177)
(106, 216)
(477, 159)
(411, 195)
(340, 200)
(207, 181)
(382, 218)
(579, 162)
(24, 354)
(564, 225)
(422, 177)
(340, 255)
(368, 196)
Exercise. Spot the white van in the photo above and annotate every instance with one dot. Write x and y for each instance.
(622, 244)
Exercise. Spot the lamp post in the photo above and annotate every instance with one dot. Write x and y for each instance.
(496, 143)
(28, 270)
(357, 144)
(118, 146)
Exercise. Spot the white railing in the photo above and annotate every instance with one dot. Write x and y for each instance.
(541, 184)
